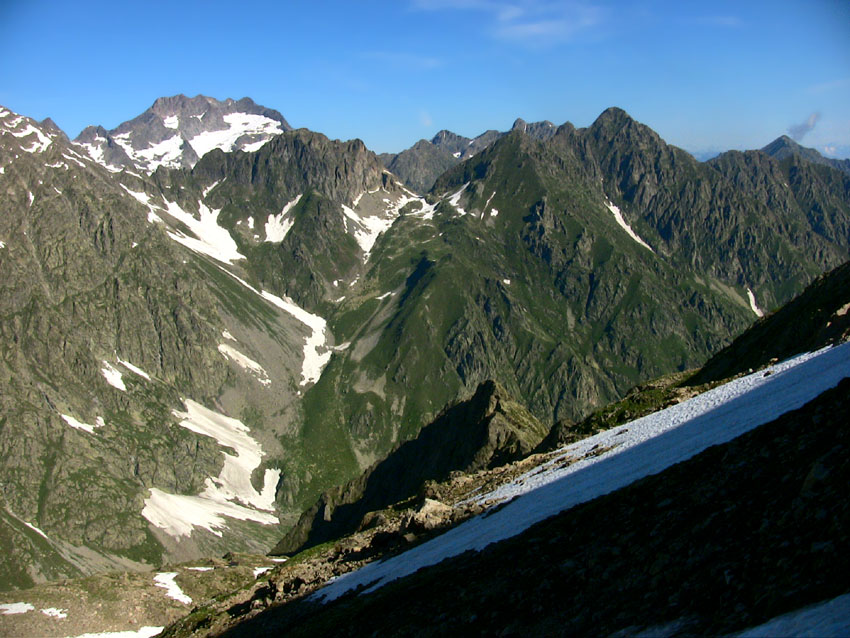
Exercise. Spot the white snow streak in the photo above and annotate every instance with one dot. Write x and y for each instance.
(172, 121)
(144, 199)
(752, 299)
(134, 369)
(640, 448)
(314, 360)
(259, 571)
(8, 609)
(212, 239)
(823, 620)
(209, 188)
(113, 376)
(35, 529)
(55, 613)
(245, 363)
(142, 632)
(172, 589)
(454, 199)
(99, 423)
(277, 226)
(622, 222)
(200, 569)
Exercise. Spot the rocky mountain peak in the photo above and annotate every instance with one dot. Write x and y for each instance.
(177, 131)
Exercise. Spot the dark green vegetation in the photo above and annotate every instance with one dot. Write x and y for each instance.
(536, 287)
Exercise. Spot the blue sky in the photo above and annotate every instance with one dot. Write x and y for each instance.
(712, 75)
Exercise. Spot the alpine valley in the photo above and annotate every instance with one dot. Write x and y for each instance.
(220, 334)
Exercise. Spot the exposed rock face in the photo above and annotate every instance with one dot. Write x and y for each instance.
(487, 430)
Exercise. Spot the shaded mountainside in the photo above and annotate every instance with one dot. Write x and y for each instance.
(672, 553)
(487, 430)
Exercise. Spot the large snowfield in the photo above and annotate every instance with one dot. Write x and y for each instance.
(619, 457)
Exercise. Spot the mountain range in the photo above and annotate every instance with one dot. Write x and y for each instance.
(209, 318)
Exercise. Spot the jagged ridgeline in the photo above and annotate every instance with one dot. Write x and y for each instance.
(209, 319)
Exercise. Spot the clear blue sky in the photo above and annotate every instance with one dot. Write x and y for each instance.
(703, 74)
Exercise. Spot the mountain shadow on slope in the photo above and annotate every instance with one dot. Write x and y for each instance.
(735, 536)
(485, 431)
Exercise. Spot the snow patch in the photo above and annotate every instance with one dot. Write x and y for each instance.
(178, 514)
(200, 569)
(212, 240)
(234, 482)
(209, 188)
(142, 632)
(239, 124)
(752, 299)
(622, 222)
(245, 363)
(258, 571)
(630, 452)
(454, 199)
(134, 369)
(384, 296)
(172, 589)
(456, 154)
(74, 159)
(99, 423)
(41, 141)
(7, 609)
(35, 529)
(172, 121)
(53, 612)
(144, 199)
(167, 153)
(507, 282)
(277, 226)
(113, 376)
(227, 335)
(314, 360)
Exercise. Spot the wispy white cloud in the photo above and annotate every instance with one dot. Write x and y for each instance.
(410, 61)
(528, 22)
(425, 118)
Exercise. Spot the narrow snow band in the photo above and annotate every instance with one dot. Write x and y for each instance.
(752, 299)
(640, 448)
(823, 620)
(625, 226)
(172, 589)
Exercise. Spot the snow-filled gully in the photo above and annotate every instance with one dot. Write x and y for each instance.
(632, 451)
